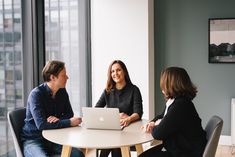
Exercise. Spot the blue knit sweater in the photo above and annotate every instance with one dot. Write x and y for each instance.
(40, 106)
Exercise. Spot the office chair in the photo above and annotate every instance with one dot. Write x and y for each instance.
(16, 122)
(213, 131)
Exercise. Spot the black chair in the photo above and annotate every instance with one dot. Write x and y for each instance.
(16, 122)
(213, 130)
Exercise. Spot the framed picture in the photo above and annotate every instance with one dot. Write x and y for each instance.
(221, 40)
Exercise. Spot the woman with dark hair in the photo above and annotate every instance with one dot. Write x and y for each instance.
(121, 93)
(179, 125)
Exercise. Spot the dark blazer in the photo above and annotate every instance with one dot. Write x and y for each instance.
(181, 130)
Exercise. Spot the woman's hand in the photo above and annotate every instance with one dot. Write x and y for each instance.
(149, 127)
(123, 115)
(125, 121)
(158, 121)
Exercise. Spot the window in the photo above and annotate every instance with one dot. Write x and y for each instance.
(11, 84)
(66, 40)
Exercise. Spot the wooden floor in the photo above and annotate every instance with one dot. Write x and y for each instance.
(222, 151)
(225, 151)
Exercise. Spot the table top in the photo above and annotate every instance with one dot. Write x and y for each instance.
(81, 137)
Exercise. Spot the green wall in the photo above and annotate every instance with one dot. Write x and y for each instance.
(181, 39)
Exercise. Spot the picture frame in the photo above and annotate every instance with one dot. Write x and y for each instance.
(221, 40)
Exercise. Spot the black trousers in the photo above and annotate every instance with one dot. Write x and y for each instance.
(115, 152)
(155, 152)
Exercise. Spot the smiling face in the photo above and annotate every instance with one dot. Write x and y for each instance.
(117, 74)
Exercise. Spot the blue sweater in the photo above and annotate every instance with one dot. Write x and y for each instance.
(40, 106)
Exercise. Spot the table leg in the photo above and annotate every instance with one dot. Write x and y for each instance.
(84, 151)
(89, 152)
(66, 151)
(139, 149)
(125, 151)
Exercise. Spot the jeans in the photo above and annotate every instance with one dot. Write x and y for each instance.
(44, 148)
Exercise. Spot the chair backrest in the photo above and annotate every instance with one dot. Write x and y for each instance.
(213, 130)
(16, 122)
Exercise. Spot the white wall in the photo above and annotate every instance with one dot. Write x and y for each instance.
(123, 29)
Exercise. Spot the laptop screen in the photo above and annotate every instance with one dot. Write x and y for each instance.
(101, 118)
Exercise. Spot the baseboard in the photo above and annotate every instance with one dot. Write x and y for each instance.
(225, 140)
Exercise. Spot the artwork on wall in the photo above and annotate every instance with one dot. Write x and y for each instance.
(221, 40)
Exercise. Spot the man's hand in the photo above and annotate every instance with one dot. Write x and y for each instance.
(75, 121)
(52, 119)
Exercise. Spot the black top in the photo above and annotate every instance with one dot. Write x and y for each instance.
(128, 100)
(180, 129)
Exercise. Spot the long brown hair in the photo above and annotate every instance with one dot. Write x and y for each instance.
(110, 83)
(175, 81)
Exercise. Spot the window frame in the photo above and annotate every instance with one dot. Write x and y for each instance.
(34, 46)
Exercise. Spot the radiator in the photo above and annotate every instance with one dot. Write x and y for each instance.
(233, 121)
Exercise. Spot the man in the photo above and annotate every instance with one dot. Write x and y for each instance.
(48, 107)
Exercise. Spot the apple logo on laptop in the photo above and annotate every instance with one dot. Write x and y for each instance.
(101, 119)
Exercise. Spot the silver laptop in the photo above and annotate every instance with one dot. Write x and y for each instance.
(101, 118)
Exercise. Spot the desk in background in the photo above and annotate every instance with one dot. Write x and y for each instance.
(86, 139)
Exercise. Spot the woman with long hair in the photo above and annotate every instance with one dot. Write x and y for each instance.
(179, 125)
(121, 93)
